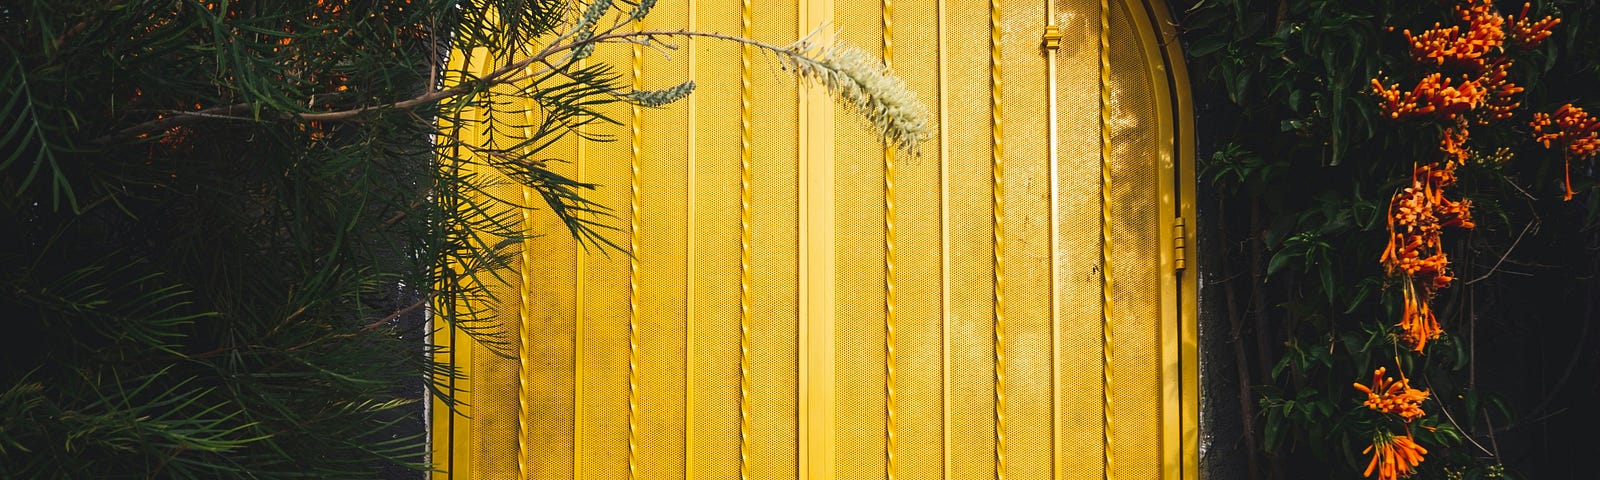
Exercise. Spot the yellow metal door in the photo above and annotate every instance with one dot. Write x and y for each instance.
(801, 302)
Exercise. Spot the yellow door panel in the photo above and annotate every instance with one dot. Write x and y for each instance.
(799, 301)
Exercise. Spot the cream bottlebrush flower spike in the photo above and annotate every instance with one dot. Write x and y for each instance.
(865, 85)
(859, 81)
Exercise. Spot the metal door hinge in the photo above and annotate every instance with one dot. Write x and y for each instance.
(1180, 244)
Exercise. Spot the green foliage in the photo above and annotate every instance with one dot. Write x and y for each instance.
(204, 281)
(225, 223)
(1300, 169)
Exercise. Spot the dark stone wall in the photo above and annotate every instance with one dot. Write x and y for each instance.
(1222, 444)
(1223, 453)
(411, 420)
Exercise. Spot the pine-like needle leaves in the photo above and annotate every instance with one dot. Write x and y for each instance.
(228, 230)
(29, 146)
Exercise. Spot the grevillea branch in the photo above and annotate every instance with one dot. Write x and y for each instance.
(860, 82)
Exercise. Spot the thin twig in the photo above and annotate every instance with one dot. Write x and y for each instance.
(433, 54)
(1519, 188)
(1531, 421)
(1492, 442)
(501, 75)
(397, 313)
(1452, 420)
(402, 214)
(1513, 246)
(1241, 358)
(67, 35)
(164, 123)
(202, 114)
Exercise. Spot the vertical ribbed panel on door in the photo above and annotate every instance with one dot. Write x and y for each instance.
(775, 352)
(717, 242)
(663, 180)
(859, 268)
(1137, 228)
(970, 319)
(919, 435)
(1078, 244)
(681, 358)
(1027, 242)
(605, 325)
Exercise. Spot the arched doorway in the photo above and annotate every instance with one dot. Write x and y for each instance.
(800, 302)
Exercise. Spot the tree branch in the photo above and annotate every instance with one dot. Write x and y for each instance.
(174, 120)
(499, 76)
(1513, 246)
(1241, 359)
(1465, 434)
(397, 313)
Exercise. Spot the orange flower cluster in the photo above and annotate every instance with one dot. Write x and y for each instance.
(1441, 46)
(1526, 33)
(1477, 54)
(1573, 130)
(1434, 95)
(1394, 397)
(1393, 456)
(1483, 92)
(1453, 143)
(1498, 102)
(1417, 218)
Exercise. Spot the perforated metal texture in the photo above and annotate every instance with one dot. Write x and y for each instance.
(919, 271)
(663, 209)
(545, 290)
(604, 330)
(549, 356)
(859, 285)
(1027, 244)
(1136, 256)
(571, 388)
(543, 363)
(971, 276)
(1078, 94)
(717, 242)
(774, 353)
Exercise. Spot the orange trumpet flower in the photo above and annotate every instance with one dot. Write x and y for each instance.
(1393, 456)
(1394, 397)
(1572, 130)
